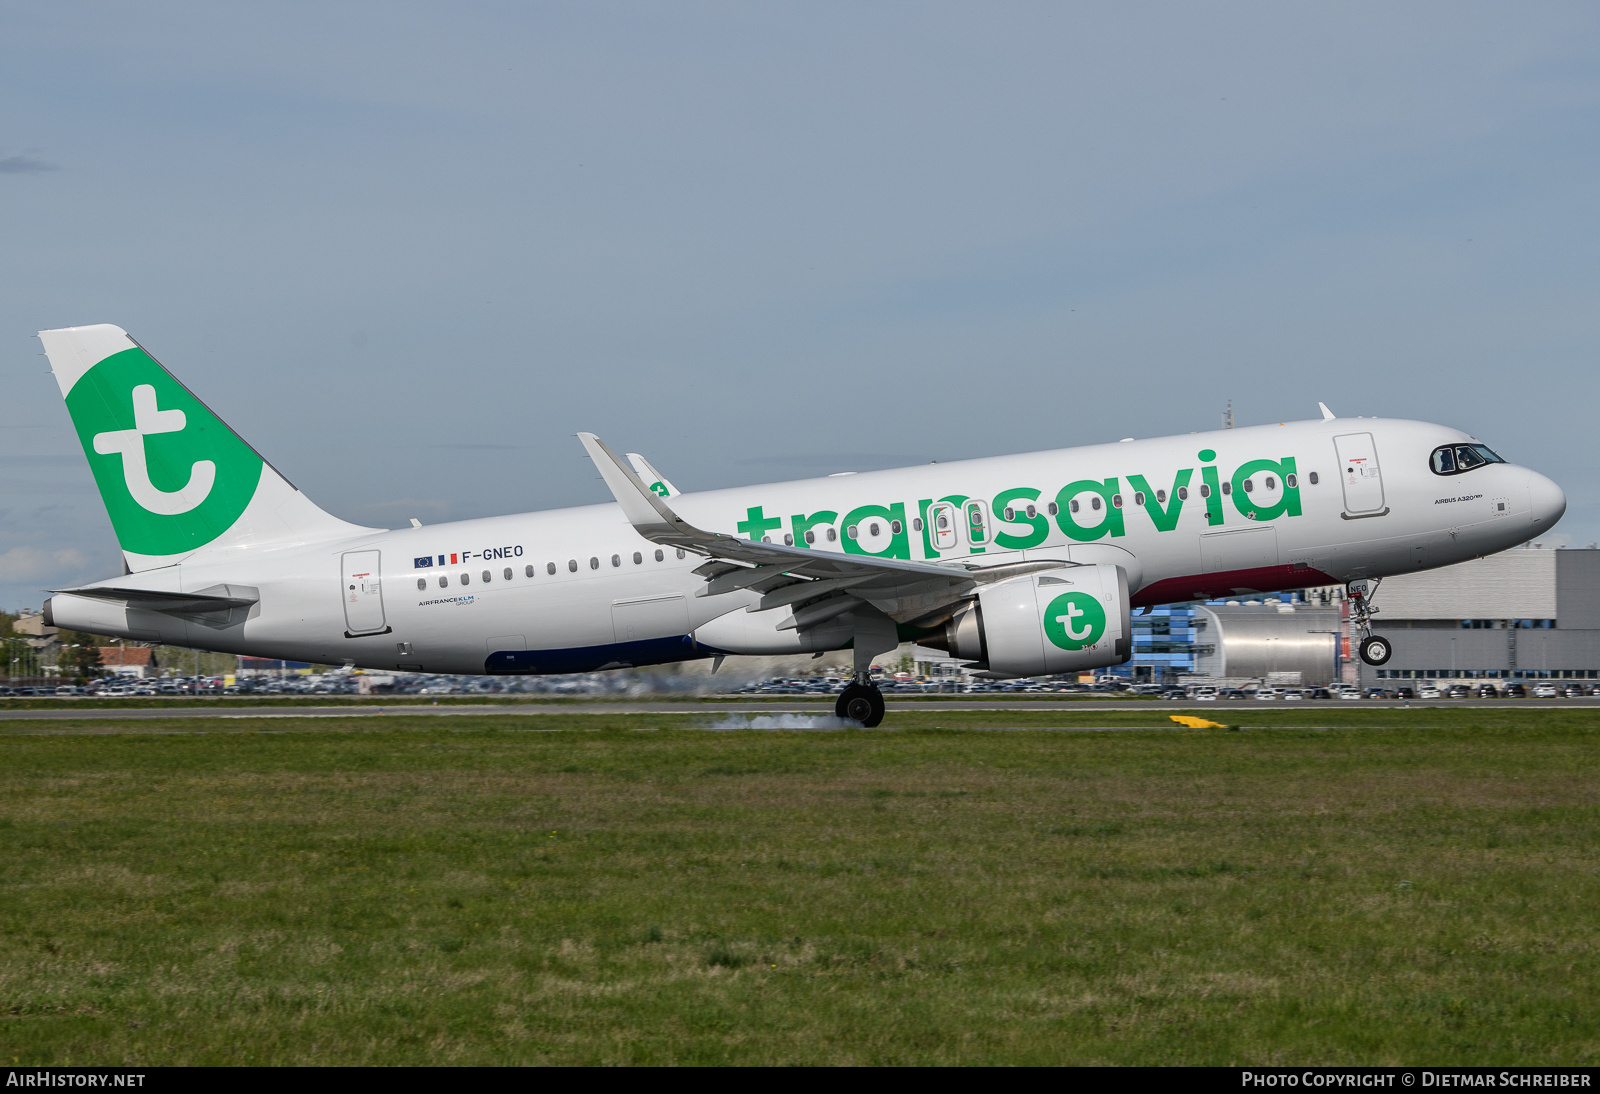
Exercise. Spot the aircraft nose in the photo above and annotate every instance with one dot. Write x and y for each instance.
(1546, 502)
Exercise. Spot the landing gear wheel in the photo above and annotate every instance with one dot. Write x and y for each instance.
(860, 703)
(1376, 650)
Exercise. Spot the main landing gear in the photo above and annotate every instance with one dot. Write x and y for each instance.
(860, 701)
(1375, 649)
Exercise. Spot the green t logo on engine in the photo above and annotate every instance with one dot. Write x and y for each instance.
(1074, 621)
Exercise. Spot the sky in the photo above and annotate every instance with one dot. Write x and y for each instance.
(409, 250)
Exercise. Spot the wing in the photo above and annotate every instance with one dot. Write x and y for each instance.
(818, 585)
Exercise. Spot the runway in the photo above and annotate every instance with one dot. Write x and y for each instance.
(201, 709)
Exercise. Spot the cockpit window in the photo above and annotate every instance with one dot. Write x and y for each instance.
(1452, 459)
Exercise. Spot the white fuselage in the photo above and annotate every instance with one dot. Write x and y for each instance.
(480, 595)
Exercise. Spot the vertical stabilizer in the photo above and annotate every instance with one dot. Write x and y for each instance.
(655, 480)
(175, 479)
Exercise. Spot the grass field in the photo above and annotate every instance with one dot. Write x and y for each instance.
(1417, 887)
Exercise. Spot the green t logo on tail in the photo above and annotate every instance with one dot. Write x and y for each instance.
(1074, 621)
(172, 475)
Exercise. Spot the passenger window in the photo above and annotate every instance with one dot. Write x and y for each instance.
(466, 579)
(1094, 503)
(549, 567)
(1138, 497)
(486, 576)
(444, 582)
(1116, 501)
(1009, 513)
(873, 529)
(528, 569)
(660, 555)
(1249, 486)
(895, 526)
(811, 537)
(1161, 497)
(572, 565)
(1272, 483)
(1205, 490)
(1053, 509)
(594, 562)
(833, 536)
(508, 573)
(1073, 505)
(788, 539)
(851, 531)
(944, 522)
(1313, 478)
(422, 583)
(638, 559)
(1227, 487)
(1032, 512)
(916, 524)
(616, 560)
(1289, 481)
(681, 552)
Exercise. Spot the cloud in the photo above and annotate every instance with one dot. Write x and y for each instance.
(38, 564)
(23, 165)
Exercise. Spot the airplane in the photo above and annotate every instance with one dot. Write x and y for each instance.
(1017, 565)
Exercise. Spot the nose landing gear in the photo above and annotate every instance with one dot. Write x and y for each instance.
(860, 701)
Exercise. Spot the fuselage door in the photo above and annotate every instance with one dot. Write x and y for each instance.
(942, 525)
(363, 593)
(977, 523)
(1358, 471)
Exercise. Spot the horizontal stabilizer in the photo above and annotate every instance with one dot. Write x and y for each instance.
(216, 600)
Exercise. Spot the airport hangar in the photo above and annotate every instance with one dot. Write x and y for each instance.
(1526, 614)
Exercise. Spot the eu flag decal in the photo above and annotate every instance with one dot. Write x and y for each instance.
(422, 563)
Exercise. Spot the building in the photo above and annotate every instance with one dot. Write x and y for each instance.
(1528, 613)
(1277, 641)
(136, 661)
(1163, 645)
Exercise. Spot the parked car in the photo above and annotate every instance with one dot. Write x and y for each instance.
(1376, 693)
(1458, 691)
(1349, 693)
(1293, 693)
(1427, 693)
(1234, 693)
(1540, 691)
(1488, 691)
(1320, 693)
(1574, 691)
(1405, 693)
(1263, 694)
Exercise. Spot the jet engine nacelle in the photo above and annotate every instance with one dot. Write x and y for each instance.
(1059, 621)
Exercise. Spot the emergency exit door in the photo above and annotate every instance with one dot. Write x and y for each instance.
(363, 594)
(1359, 473)
(942, 526)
